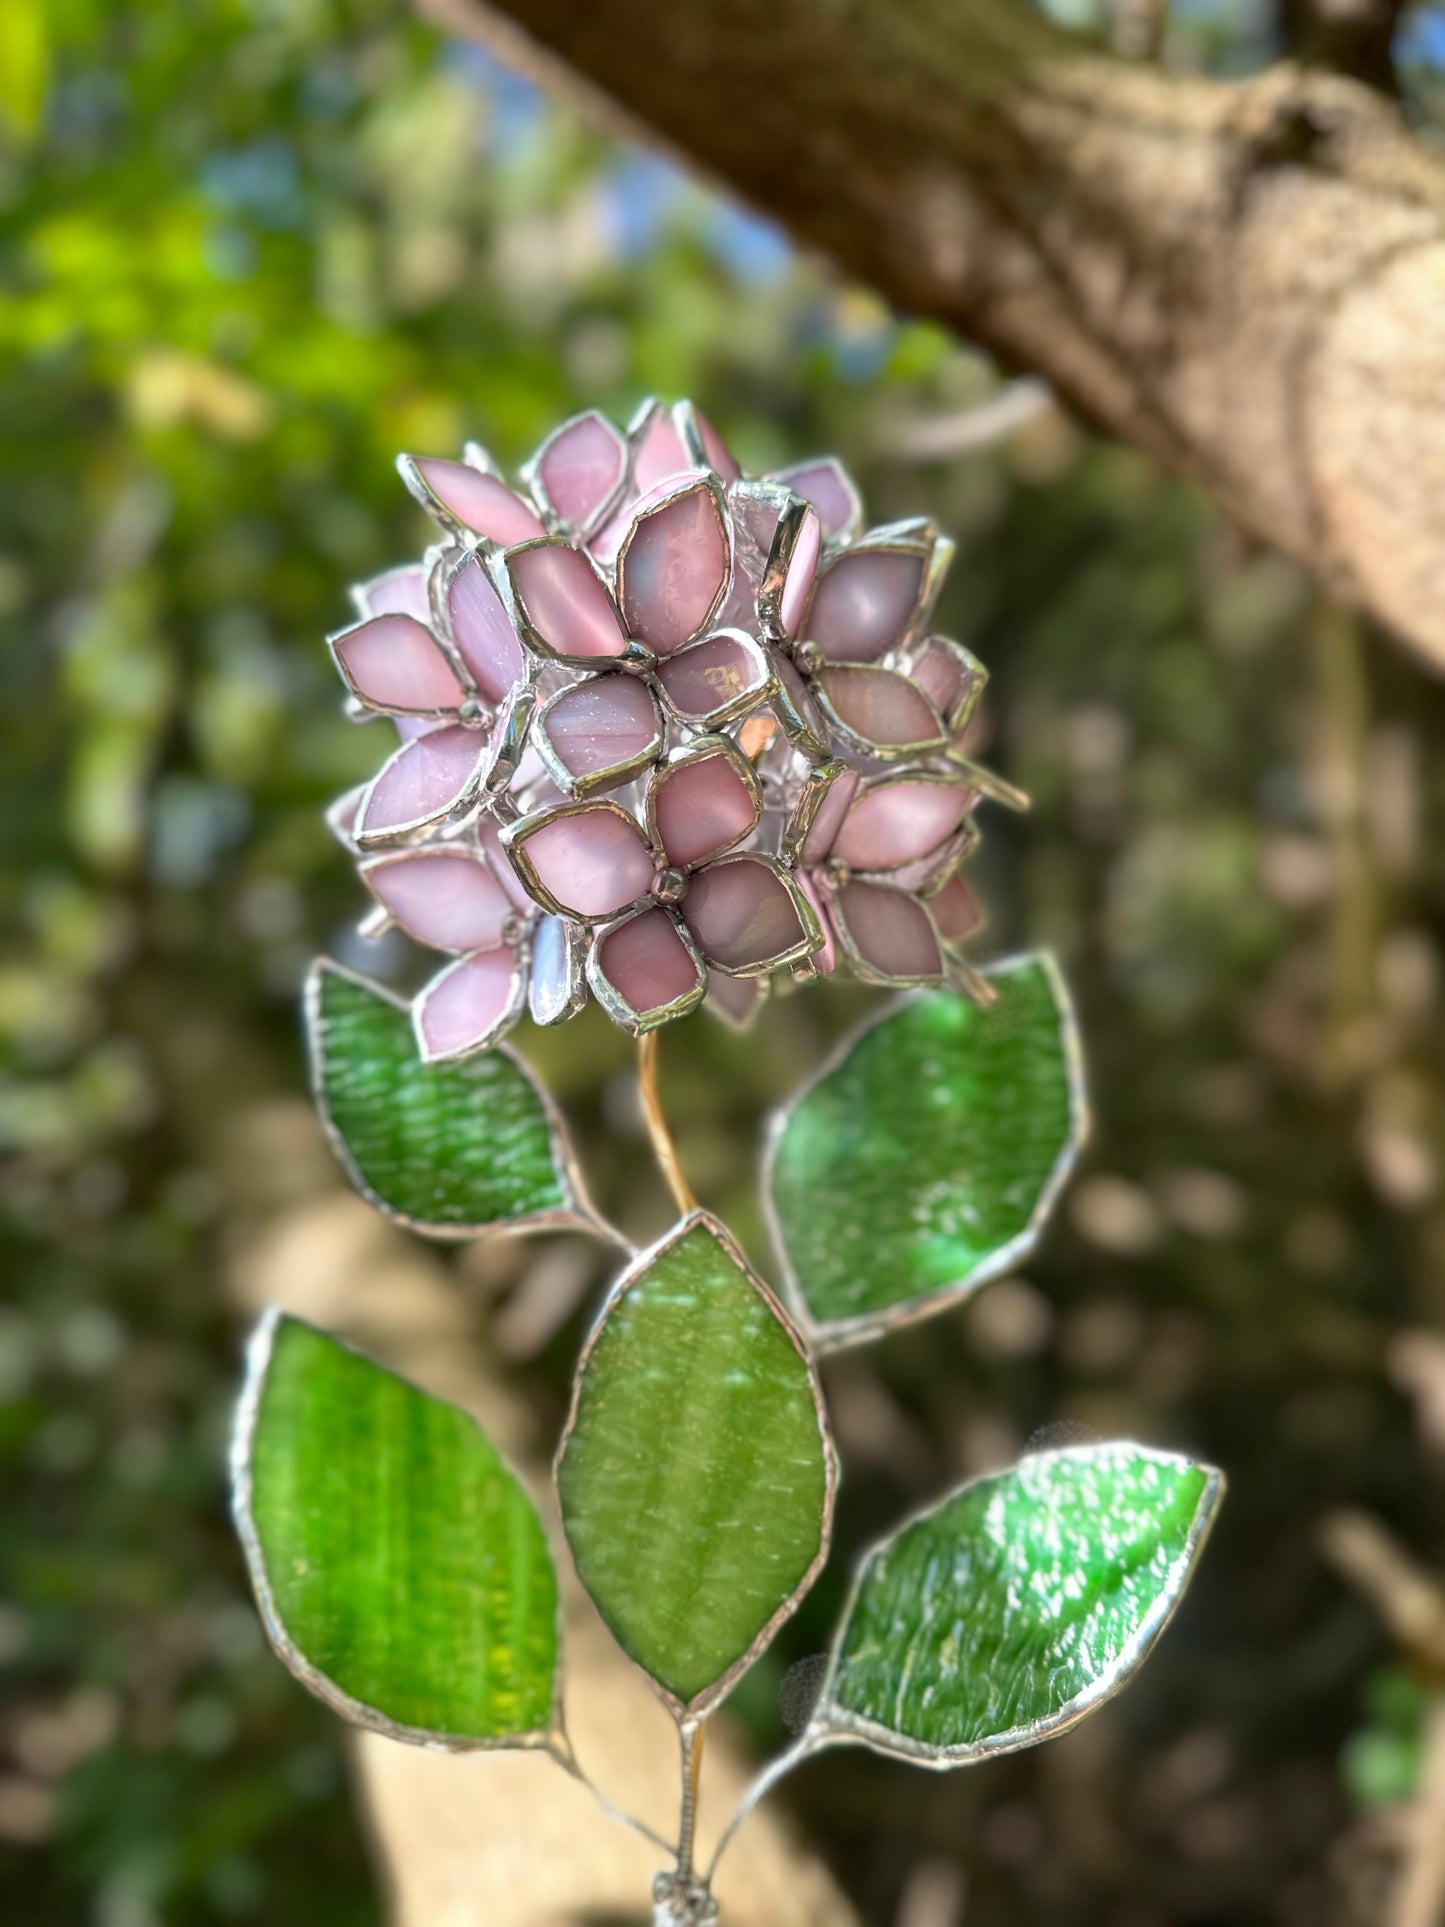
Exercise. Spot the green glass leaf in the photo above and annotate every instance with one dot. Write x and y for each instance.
(1021, 1602)
(925, 1159)
(450, 1149)
(696, 1473)
(401, 1571)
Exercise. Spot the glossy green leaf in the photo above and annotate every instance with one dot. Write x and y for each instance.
(401, 1570)
(1014, 1607)
(926, 1158)
(696, 1474)
(452, 1149)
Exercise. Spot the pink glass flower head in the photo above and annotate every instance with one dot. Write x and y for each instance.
(669, 734)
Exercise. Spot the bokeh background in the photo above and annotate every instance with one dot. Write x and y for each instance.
(250, 249)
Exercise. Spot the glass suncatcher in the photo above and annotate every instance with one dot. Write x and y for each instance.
(670, 736)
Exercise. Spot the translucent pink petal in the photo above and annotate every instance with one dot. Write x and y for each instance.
(826, 485)
(408, 728)
(737, 1000)
(947, 677)
(342, 814)
(606, 722)
(489, 836)
(864, 603)
(702, 807)
(482, 630)
(672, 570)
(804, 723)
(921, 876)
(659, 454)
(468, 1006)
(955, 910)
(480, 502)
(824, 961)
(449, 901)
(565, 602)
(716, 449)
(896, 823)
(818, 843)
(399, 592)
(741, 915)
(754, 512)
(392, 662)
(591, 861)
(647, 963)
(801, 570)
(890, 931)
(712, 676)
(422, 782)
(882, 707)
(580, 466)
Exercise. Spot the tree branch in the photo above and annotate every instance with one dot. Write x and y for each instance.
(1246, 281)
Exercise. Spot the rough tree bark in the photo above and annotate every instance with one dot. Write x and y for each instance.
(1246, 281)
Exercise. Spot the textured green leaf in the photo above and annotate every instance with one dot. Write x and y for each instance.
(450, 1148)
(1008, 1611)
(925, 1160)
(696, 1473)
(401, 1571)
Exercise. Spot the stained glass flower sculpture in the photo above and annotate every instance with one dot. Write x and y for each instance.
(669, 733)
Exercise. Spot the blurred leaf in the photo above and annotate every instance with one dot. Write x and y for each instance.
(24, 64)
(450, 1149)
(1006, 1613)
(925, 1160)
(696, 1473)
(402, 1573)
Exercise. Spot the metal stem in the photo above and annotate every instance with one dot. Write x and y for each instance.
(663, 1147)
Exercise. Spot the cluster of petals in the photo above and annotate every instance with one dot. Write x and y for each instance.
(669, 733)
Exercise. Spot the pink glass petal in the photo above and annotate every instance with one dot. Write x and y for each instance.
(450, 902)
(801, 571)
(672, 570)
(480, 502)
(399, 592)
(392, 662)
(946, 677)
(921, 876)
(755, 519)
(565, 602)
(890, 931)
(826, 485)
(580, 467)
(896, 823)
(421, 783)
(864, 603)
(342, 814)
(824, 961)
(408, 728)
(647, 963)
(711, 676)
(659, 454)
(607, 722)
(482, 630)
(955, 910)
(702, 808)
(737, 1000)
(818, 843)
(741, 915)
(879, 706)
(490, 839)
(591, 861)
(715, 448)
(799, 716)
(467, 1007)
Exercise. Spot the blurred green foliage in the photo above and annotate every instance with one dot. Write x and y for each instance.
(248, 251)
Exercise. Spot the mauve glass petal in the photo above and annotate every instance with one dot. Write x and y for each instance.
(659, 454)
(482, 630)
(606, 722)
(647, 963)
(450, 902)
(392, 662)
(955, 910)
(580, 466)
(711, 676)
(881, 707)
(468, 1006)
(399, 592)
(890, 931)
(565, 602)
(818, 843)
(801, 570)
(741, 915)
(827, 486)
(864, 603)
(421, 782)
(896, 823)
(824, 961)
(480, 502)
(947, 677)
(489, 837)
(672, 570)
(737, 1000)
(591, 861)
(702, 807)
